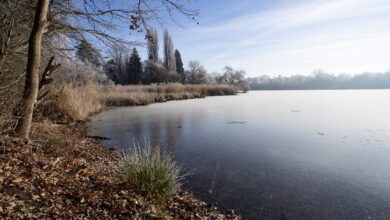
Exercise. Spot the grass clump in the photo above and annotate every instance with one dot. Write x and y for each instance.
(149, 172)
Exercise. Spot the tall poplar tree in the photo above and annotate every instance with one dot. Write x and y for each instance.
(169, 56)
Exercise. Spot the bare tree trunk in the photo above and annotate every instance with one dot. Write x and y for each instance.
(33, 65)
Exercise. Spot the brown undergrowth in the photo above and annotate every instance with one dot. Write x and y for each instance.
(63, 174)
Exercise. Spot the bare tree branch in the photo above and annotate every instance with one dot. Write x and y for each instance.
(50, 68)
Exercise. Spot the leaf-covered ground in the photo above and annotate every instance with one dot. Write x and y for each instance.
(63, 174)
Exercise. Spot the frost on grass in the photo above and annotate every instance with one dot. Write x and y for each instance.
(150, 172)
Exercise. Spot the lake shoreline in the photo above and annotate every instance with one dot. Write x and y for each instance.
(63, 173)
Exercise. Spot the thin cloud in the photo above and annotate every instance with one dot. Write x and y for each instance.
(305, 30)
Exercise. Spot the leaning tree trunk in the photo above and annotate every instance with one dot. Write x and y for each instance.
(31, 87)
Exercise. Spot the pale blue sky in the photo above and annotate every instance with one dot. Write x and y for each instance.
(288, 36)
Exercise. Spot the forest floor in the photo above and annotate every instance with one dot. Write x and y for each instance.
(61, 173)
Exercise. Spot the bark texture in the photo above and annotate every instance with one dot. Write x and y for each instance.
(31, 87)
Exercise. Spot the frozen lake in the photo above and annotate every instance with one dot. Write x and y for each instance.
(273, 154)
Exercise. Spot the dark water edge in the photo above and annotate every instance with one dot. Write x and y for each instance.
(274, 154)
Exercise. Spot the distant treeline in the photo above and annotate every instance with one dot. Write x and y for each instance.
(322, 80)
(125, 67)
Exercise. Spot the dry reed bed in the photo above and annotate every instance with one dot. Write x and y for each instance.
(77, 103)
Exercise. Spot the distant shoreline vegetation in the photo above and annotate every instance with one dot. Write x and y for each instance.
(322, 81)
